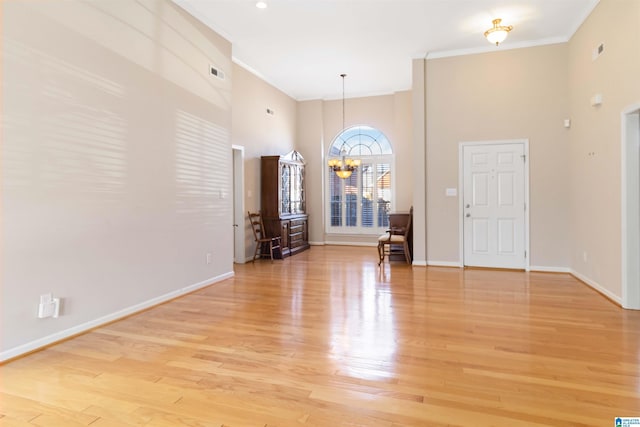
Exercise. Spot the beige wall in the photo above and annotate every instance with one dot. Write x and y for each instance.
(321, 121)
(260, 134)
(113, 131)
(508, 94)
(309, 127)
(594, 138)
(112, 135)
(419, 148)
(311, 143)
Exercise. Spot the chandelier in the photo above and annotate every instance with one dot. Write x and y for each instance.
(343, 167)
(498, 33)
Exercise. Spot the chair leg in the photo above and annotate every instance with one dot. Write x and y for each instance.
(271, 250)
(380, 253)
(255, 253)
(407, 255)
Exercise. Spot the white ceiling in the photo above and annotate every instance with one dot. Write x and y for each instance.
(302, 46)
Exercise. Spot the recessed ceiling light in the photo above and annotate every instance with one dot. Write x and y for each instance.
(261, 5)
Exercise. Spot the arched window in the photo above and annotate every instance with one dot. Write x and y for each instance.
(361, 203)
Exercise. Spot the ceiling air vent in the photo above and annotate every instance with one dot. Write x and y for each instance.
(216, 72)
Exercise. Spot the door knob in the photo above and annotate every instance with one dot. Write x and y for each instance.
(468, 215)
(468, 206)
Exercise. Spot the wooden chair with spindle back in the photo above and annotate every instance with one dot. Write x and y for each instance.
(261, 238)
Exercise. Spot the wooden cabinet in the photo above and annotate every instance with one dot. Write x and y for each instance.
(283, 204)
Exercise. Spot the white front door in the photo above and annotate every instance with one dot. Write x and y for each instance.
(494, 205)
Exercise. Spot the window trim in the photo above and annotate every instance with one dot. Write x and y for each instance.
(376, 135)
(360, 230)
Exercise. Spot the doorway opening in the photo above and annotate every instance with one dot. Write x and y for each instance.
(631, 207)
(239, 256)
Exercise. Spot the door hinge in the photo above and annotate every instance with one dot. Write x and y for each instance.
(524, 157)
(525, 254)
(525, 207)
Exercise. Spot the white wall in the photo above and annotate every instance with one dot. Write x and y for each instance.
(113, 140)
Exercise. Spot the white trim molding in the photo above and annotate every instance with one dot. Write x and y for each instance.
(338, 243)
(545, 269)
(434, 263)
(630, 206)
(84, 327)
(597, 287)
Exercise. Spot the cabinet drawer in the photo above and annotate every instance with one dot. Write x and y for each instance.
(297, 243)
(296, 228)
(297, 222)
(294, 237)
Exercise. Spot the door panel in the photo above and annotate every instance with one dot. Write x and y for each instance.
(506, 196)
(480, 189)
(494, 205)
(506, 236)
(480, 232)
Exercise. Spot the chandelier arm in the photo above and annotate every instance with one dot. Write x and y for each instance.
(343, 167)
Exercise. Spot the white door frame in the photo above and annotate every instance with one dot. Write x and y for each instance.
(461, 146)
(630, 197)
(239, 250)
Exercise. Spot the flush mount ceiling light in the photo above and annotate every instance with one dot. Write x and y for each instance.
(261, 5)
(498, 33)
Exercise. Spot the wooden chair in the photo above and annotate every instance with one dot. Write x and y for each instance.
(396, 237)
(262, 241)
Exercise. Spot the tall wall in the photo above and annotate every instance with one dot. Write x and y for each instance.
(260, 133)
(113, 134)
(595, 137)
(311, 142)
(506, 94)
(319, 122)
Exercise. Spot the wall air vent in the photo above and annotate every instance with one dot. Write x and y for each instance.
(216, 72)
(599, 50)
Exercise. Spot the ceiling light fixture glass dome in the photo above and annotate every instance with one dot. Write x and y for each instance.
(498, 33)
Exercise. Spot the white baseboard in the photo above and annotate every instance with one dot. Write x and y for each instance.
(444, 264)
(607, 293)
(531, 268)
(317, 243)
(78, 329)
(544, 269)
(419, 263)
(367, 244)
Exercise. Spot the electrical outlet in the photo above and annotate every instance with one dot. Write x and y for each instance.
(49, 306)
(208, 258)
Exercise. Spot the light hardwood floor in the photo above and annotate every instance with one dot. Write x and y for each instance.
(328, 338)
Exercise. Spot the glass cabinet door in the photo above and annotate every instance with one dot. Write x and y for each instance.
(285, 190)
(296, 189)
(291, 187)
